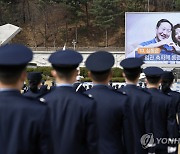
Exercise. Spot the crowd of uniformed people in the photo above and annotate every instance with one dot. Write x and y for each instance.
(68, 119)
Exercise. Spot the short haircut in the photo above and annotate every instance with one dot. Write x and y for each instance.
(100, 76)
(33, 85)
(164, 20)
(153, 79)
(11, 74)
(65, 72)
(173, 33)
(166, 84)
(132, 74)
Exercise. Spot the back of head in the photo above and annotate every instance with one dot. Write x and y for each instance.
(132, 68)
(100, 63)
(34, 79)
(65, 62)
(167, 80)
(153, 74)
(13, 60)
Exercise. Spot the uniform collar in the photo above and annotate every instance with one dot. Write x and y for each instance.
(8, 89)
(131, 85)
(100, 85)
(64, 85)
(153, 89)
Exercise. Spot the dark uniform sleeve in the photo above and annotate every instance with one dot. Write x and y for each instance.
(171, 123)
(45, 143)
(127, 132)
(91, 133)
(149, 122)
(172, 127)
(178, 114)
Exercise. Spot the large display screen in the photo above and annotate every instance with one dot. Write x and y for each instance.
(154, 37)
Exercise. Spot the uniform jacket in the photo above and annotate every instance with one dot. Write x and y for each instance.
(164, 120)
(37, 94)
(23, 125)
(73, 121)
(111, 117)
(140, 117)
(176, 101)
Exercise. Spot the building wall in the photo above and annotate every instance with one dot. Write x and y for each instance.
(41, 57)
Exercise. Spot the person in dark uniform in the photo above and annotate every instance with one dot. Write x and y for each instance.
(53, 85)
(34, 90)
(117, 86)
(139, 106)
(24, 88)
(111, 105)
(167, 81)
(44, 87)
(163, 115)
(78, 85)
(23, 121)
(73, 119)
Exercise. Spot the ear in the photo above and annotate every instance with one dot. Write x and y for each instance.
(54, 73)
(123, 74)
(89, 74)
(23, 76)
(74, 74)
(110, 75)
(77, 72)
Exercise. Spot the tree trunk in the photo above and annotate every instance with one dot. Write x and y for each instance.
(54, 42)
(66, 31)
(76, 33)
(33, 30)
(106, 38)
(28, 10)
(148, 6)
(45, 34)
(87, 15)
(1, 16)
(23, 9)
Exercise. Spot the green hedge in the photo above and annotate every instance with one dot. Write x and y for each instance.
(86, 80)
(84, 72)
(116, 79)
(46, 71)
(116, 72)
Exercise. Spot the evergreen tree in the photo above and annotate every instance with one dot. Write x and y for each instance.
(106, 13)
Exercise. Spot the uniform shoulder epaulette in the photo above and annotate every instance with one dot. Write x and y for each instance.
(120, 91)
(168, 94)
(42, 100)
(87, 95)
